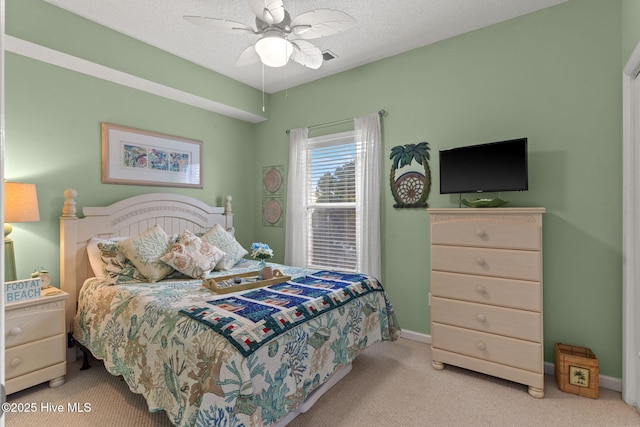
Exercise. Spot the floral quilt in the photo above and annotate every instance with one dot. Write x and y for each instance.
(198, 376)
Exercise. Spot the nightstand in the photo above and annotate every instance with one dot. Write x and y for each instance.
(35, 341)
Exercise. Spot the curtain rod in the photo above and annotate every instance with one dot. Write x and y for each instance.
(380, 113)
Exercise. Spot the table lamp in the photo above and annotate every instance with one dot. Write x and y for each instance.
(20, 205)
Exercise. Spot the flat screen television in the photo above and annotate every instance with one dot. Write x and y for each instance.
(492, 167)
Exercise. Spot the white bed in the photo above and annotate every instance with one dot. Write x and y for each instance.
(189, 370)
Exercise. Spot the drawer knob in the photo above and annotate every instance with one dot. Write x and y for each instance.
(480, 232)
(481, 290)
(480, 318)
(15, 362)
(15, 331)
(480, 346)
(480, 261)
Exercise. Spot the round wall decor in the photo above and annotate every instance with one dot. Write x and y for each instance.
(409, 187)
(273, 189)
(272, 211)
(272, 180)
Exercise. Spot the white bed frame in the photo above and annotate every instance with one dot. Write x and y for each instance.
(128, 217)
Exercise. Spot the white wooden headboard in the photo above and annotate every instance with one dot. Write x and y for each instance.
(128, 217)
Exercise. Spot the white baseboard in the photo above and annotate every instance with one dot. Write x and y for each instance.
(416, 336)
(604, 381)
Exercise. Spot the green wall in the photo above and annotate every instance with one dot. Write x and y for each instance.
(553, 76)
(41, 23)
(53, 118)
(630, 27)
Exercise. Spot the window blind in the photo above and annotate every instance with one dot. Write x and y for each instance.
(331, 202)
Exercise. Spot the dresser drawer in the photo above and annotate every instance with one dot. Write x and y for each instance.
(524, 265)
(489, 290)
(512, 323)
(488, 232)
(27, 325)
(33, 356)
(494, 348)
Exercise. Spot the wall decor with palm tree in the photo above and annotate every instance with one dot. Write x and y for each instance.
(411, 189)
(579, 376)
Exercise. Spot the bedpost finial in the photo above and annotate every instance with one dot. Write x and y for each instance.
(69, 208)
(227, 205)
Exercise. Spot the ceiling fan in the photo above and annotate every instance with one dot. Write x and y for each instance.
(282, 38)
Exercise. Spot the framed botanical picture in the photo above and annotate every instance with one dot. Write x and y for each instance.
(139, 157)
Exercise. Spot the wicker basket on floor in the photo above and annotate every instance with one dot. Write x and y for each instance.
(577, 370)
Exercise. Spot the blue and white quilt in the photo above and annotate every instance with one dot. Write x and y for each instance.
(252, 318)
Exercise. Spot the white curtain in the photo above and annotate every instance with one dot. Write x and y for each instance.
(295, 252)
(368, 181)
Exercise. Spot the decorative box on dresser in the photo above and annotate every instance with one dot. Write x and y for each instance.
(486, 292)
(35, 341)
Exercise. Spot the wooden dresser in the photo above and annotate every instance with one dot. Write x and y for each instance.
(35, 341)
(486, 292)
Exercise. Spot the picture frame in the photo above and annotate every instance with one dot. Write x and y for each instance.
(139, 157)
(273, 181)
(578, 376)
(273, 184)
(272, 211)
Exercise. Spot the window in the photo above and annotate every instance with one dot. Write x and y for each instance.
(333, 199)
(331, 202)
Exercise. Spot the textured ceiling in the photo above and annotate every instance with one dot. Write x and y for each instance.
(382, 29)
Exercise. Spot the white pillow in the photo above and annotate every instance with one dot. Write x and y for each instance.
(93, 252)
(145, 251)
(224, 240)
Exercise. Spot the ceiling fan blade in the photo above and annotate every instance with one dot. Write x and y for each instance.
(219, 24)
(306, 54)
(269, 11)
(320, 23)
(247, 57)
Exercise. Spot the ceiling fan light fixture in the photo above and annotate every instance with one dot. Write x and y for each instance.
(274, 50)
(275, 25)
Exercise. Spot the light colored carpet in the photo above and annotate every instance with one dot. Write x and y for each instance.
(391, 384)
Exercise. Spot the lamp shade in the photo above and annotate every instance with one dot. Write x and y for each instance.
(20, 202)
(274, 50)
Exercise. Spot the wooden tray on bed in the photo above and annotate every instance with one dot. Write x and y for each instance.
(226, 284)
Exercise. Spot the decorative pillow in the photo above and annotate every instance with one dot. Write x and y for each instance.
(219, 237)
(93, 252)
(145, 251)
(192, 256)
(117, 269)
